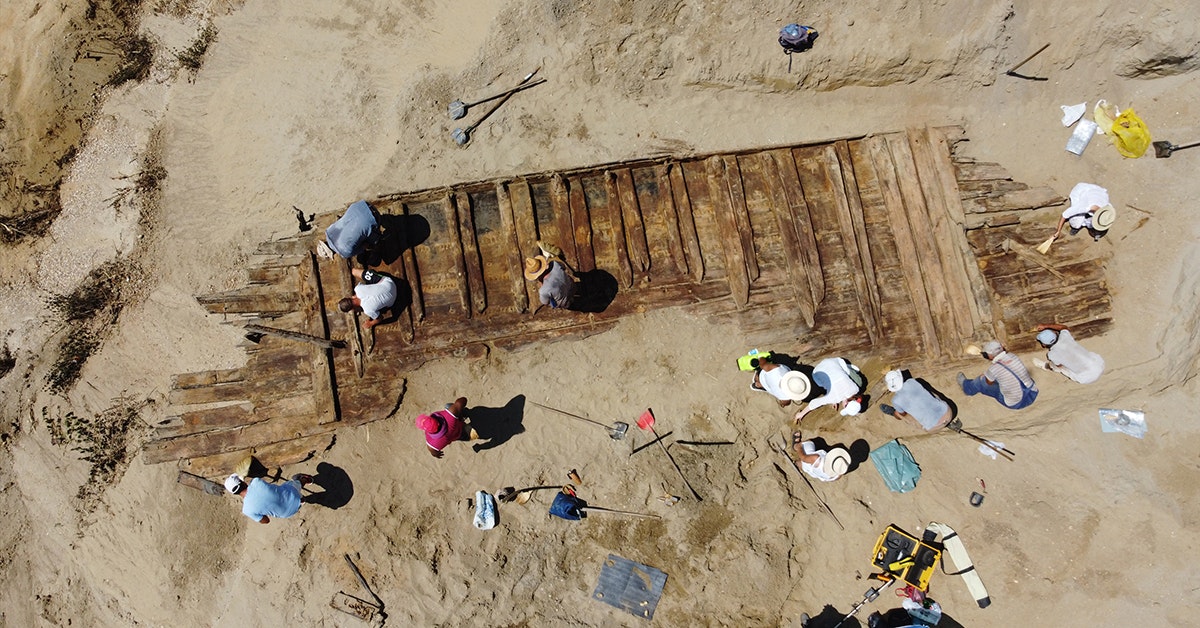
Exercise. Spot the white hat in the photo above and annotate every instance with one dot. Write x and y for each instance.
(836, 463)
(894, 380)
(1104, 218)
(852, 408)
(795, 385)
(233, 483)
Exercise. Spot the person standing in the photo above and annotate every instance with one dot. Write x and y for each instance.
(374, 294)
(1067, 356)
(444, 426)
(262, 500)
(913, 401)
(1006, 380)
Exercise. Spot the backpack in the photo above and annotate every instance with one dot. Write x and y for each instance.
(796, 38)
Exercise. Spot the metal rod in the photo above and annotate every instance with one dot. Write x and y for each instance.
(641, 447)
(573, 416)
(804, 477)
(362, 580)
(658, 439)
(622, 512)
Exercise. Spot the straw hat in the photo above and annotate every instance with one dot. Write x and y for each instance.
(535, 266)
(894, 380)
(795, 385)
(837, 462)
(1104, 218)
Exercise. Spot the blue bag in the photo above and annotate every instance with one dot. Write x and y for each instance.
(568, 507)
(897, 466)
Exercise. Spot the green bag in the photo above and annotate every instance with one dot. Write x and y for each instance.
(897, 466)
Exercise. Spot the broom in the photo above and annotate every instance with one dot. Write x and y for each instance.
(1044, 247)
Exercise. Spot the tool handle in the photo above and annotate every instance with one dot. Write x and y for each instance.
(507, 92)
(573, 416)
(658, 440)
(622, 512)
(1027, 59)
(362, 580)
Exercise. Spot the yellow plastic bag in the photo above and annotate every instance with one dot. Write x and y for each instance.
(1130, 134)
(1104, 114)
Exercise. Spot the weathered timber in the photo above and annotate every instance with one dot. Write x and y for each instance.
(294, 335)
(320, 355)
(799, 247)
(272, 456)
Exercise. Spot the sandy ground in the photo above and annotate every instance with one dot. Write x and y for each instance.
(316, 104)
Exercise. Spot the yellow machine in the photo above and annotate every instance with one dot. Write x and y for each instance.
(904, 556)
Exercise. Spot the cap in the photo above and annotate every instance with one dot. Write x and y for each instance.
(234, 483)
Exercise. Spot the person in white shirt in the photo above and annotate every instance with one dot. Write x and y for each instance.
(823, 465)
(1089, 210)
(1067, 356)
(375, 293)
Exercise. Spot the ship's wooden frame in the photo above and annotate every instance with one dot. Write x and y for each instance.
(888, 245)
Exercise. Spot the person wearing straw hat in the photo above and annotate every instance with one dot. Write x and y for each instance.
(1089, 210)
(840, 384)
(1006, 380)
(780, 381)
(1067, 356)
(446, 426)
(262, 500)
(556, 285)
(912, 400)
(823, 465)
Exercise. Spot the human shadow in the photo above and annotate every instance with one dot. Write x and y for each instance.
(497, 425)
(596, 291)
(860, 452)
(337, 485)
(899, 618)
(399, 233)
(830, 617)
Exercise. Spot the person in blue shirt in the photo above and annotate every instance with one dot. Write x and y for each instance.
(356, 231)
(262, 500)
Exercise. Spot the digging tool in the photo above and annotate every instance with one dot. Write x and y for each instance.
(1003, 451)
(458, 108)
(620, 512)
(510, 494)
(1044, 247)
(804, 477)
(646, 422)
(651, 444)
(462, 136)
(1013, 70)
(363, 582)
(616, 432)
(1163, 150)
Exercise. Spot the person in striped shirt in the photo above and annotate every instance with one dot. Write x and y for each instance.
(1006, 380)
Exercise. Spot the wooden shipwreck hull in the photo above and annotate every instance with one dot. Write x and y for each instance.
(886, 245)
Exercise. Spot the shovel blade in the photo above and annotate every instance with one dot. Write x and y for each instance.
(460, 137)
(646, 421)
(618, 430)
(1163, 150)
(457, 110)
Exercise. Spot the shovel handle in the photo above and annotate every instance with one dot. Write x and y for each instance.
(573, 416)
(622, 512)
(522, 86)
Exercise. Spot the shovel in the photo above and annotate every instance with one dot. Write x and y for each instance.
(458, 108)
(620, 512)
(616, 432)
(646, 422)
(511, 494)
(1163, 150)
(462, 136)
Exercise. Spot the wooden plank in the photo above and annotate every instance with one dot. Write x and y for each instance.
(735, 257)
(793, 254)
(345, 286)
(616, 221)
(980, 171)
(286, 246)
(926, 242)
(741, 215)
(666, 209)
(561, 205)
(631, 217)
(273, 380)
(472, 261)
(526, 229)
(582, 223)
(321, 358)
(947, 232)
(789, 180)
(196, 421)
(261, 275)
(286, 425)
(980, 303)
(514, 263)
(906, 247)
(457, 253)
(854, 228)
(208, 378)
(1019, 200)
(687, 222)
(412, 274)
(272, 455)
